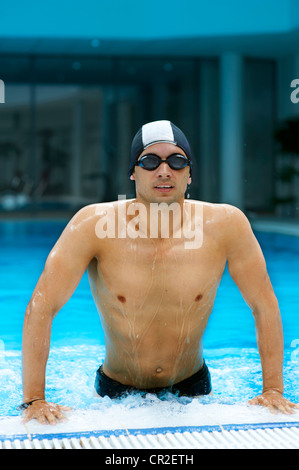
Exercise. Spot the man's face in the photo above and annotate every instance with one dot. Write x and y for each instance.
(162, 184)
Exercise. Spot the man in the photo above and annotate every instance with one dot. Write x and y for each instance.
(154, 290)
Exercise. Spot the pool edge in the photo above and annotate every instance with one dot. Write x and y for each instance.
(150, 431)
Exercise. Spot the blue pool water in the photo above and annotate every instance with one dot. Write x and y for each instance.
(77, 346)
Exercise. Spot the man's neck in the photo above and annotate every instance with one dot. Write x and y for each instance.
(158, 219)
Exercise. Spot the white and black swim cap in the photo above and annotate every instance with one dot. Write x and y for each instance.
(154, 133)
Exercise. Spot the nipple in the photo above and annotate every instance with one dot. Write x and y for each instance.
(121, 298)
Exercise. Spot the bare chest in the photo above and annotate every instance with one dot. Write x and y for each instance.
(164, 271)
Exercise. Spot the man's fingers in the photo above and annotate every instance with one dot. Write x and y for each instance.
(25, 419)
(64, 408)
(287, 408)
(275, 403)
(42, 419)
(45, 413)
(59, 415)
(292, 405)
(51, 417)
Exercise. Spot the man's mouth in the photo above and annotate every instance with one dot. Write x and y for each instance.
(164, 188)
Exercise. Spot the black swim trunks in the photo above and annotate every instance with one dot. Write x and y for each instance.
(197, 384)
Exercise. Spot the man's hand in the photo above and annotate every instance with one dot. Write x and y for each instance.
(45, 413)
(275, 401)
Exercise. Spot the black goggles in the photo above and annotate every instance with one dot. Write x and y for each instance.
(151, 161)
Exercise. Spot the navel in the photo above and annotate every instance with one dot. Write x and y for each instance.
(198, 297)
(121, 298)
(159, 370)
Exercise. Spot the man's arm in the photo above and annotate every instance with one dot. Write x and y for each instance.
(247, 267)
(63, 270)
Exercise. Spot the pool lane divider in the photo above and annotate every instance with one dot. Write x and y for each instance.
(153, 431)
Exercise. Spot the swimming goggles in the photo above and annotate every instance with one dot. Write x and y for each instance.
(151, 161)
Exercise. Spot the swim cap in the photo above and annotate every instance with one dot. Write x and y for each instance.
(154, 133)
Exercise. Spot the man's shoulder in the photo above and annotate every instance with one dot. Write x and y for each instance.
(224, 213)
(91, 212)
(84, 214)
(226, 222)
(86, 217)
(231, 224)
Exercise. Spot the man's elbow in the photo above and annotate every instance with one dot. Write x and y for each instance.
(267, 306)
(40, 308)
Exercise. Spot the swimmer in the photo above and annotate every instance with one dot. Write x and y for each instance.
(154, 293)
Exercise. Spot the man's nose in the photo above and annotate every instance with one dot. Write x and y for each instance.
(163, 169)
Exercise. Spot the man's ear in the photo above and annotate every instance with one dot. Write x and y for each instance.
(132, 177)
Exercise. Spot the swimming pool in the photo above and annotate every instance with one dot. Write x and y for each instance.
(77, 346)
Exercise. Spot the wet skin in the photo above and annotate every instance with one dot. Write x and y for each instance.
(154, 295)
(153, 311)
